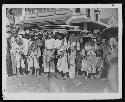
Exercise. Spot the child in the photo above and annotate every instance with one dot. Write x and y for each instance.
(72, 60)
(35, 55)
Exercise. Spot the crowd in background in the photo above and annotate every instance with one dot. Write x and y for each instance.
(39, 52)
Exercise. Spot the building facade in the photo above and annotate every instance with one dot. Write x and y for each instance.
(111, 21)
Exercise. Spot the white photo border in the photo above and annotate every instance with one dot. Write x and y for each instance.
(60, 96)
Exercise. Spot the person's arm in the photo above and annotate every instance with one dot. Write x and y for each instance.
(39, 52)
(45, 46)
(53, 45)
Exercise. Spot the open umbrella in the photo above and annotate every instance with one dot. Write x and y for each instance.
(81, 20)
(89, 35)
(77, 19)
(109, 32)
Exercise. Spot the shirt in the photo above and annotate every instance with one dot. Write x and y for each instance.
(25, 44)
(49, 43)
(57, 43)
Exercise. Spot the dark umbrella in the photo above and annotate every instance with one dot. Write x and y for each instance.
(109, 32)
(81, 21)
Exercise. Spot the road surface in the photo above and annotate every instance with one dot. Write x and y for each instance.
(43, 85)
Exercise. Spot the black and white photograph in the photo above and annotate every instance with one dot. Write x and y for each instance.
(61, 51)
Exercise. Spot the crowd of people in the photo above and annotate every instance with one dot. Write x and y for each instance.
(36, 52)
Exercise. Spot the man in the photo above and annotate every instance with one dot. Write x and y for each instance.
(49, 54)
(113, 71)
(8, 56)
(40, 43)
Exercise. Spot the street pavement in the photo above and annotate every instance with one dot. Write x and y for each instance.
(42, 84)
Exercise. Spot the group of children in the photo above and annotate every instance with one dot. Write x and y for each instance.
(24, 54)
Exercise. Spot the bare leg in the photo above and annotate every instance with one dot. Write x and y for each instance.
(18, 71)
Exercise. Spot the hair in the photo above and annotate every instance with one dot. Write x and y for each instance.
(61, 35)
(49, 33)
(56, 35)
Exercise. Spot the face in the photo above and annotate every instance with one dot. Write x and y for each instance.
(59, 37)
(49, 36)
(20, 36)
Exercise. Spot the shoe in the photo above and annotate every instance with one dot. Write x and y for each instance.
(51, 70)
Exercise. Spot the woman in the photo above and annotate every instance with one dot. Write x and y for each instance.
(18, 57)
(41, 44)
(72, 59)
(25, 51)
(91, 57)
(61, 44)
(84, 61)
(12, 52)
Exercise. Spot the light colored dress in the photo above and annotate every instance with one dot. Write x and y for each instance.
(92, 60)
(24, 50)
(61, 46)
(29, 58)
(72, 60)
(84, 61)
(18, 56)
(30, 62)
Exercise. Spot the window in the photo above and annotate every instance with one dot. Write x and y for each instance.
(77, 10)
